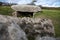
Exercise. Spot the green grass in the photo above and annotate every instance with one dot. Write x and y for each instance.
(5, 10)
(54, 15)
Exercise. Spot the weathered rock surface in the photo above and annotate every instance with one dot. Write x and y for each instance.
(13, 28)
(26, 8)
(45, 38)
(10, 30)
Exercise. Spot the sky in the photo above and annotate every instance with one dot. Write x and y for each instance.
(48, 3)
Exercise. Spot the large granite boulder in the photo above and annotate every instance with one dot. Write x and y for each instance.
(37, 26)
(25, 9)
(9, 30)
(13, 28)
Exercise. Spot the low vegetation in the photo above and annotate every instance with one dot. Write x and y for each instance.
(5, 10)
(54, 15)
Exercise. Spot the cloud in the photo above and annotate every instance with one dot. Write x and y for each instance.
(24, 1)
(48, 3)
(19, 1)
(13, 1)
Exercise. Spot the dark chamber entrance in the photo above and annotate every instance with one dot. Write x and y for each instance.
(26, 14)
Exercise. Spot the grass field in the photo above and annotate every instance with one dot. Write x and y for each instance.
(5, 10)
(54, 15)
